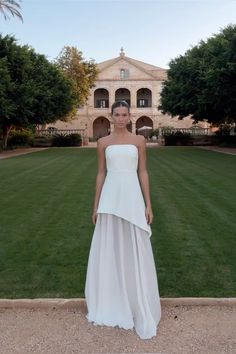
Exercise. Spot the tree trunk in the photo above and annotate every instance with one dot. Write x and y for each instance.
(5, 132)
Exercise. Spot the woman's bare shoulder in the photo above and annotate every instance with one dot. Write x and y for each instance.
(140, 140)
(137, 140)
(103, 142)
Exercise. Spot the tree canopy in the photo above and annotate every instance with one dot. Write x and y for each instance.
(32, 90)
(202, 82)
(82, 73)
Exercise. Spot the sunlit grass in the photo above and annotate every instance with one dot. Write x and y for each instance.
(46, 226)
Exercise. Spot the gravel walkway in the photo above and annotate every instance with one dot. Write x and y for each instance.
(226, 150)
(209, 329)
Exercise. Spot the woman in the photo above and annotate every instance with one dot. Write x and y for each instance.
(121, 283)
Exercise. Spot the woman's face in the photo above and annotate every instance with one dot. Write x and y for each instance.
(121, 116)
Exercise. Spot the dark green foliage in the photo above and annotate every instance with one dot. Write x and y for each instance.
(42, 141)
(225, 129)
(154, 133)
(178, 138)
(226, 136)
(32, 90)
(67, 140)
(202, 83)
(226, 140)
(20, 138)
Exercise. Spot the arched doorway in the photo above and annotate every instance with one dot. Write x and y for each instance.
(101, 127)
(123, 94)
(146, 125)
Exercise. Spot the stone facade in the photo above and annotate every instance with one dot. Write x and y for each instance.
(136, 82)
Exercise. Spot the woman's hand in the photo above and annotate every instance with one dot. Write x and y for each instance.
(94, 217)
(149, 214)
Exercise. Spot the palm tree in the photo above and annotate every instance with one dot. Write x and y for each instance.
(11, 6)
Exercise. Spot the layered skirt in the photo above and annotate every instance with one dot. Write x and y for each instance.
(121, 286)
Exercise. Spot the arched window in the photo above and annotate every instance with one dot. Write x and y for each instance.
(101, 98)
(144, 98)
(123, 94)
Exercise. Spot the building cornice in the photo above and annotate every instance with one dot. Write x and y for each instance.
(153, 72)
(128, 80)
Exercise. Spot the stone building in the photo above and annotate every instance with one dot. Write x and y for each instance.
(132, 80)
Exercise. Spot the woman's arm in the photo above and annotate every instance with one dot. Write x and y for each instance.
(144, 179)
(101, 174)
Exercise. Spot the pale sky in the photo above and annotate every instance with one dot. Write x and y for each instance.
(151, 31)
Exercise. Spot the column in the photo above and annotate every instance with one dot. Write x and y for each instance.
(111, 98)
(133, 98)
(133, 128)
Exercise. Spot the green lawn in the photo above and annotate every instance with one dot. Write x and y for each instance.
(46, 226)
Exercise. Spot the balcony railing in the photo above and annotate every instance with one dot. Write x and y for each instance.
(55, 131)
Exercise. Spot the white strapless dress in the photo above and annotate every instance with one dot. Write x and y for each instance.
(121, 287)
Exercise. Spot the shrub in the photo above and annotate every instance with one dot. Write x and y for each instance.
(42, 141)
(178, 138)
(20, 138)
(227, 140)
(58, 140)
(154, 133)
(67, 140)
(224, 130)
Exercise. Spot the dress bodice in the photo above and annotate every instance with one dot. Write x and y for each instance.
(121, 192)
(121, 158)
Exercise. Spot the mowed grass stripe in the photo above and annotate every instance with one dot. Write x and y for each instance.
(194, 223)
(46, 226)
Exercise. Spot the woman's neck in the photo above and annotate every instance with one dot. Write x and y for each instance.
(120, 132)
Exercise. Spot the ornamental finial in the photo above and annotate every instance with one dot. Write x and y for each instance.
(122, 53)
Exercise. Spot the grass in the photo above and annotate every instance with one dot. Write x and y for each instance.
(46, 226)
